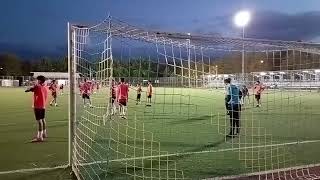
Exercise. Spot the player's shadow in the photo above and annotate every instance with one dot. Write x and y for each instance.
(57, 139)
(184, 154)
(158, 161)
(192, 119)
(52, 139)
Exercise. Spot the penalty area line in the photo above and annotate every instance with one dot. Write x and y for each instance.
(33, 169)
(199, 152)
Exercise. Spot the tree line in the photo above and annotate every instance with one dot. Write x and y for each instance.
(12, 65)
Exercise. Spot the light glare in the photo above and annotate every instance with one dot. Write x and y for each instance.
(242, 18)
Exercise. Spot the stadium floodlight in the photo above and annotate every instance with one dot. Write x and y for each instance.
(241, 19)
(261, 61)
(263, 73)
(317, 71)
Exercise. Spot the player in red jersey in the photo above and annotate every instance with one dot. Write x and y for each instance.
(122, 97)
(53, 88)
(258, 89)
(86, 90)
(40, 93)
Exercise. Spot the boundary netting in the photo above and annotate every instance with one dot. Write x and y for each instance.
(185, 72)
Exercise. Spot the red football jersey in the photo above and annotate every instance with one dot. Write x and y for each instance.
(53, 87)
(40, 94)
(258, 88)
(85, 88)
(123, 90)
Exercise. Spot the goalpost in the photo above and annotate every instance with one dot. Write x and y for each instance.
(183, 69)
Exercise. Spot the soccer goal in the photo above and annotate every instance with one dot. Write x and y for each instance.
(177, 124)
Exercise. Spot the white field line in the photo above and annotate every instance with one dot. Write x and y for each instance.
(200, 152)
(265, 172)
(12, 124)
(33, 169)
(165, 155)
(8, 124)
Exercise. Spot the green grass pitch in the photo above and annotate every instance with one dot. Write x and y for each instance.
(189, 124)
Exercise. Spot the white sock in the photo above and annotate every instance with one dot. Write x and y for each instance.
(124, 110)
(45, 131)
(39, 134)
(119, 110)
(114, 108)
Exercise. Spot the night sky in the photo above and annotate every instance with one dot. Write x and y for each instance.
(39, 26)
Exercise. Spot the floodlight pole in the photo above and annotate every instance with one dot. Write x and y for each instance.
(243, 76)
(216, 77)
(189, 60)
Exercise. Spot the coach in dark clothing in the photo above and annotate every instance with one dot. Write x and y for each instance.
(233, 97)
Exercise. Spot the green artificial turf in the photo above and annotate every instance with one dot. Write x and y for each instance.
(188, 124)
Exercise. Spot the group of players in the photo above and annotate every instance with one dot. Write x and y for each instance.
(86, 88)
(235, 99)
(119, 96)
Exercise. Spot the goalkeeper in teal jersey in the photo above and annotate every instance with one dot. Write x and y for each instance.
(233, 105)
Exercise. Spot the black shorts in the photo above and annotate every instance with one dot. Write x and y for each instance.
(123, 102)
(39, 113)
(138, 96)
(85, 96)
(258, 96)
(54, 94)
(149, 96)
(112, 99)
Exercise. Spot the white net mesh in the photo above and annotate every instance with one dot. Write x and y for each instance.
(181, 134)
